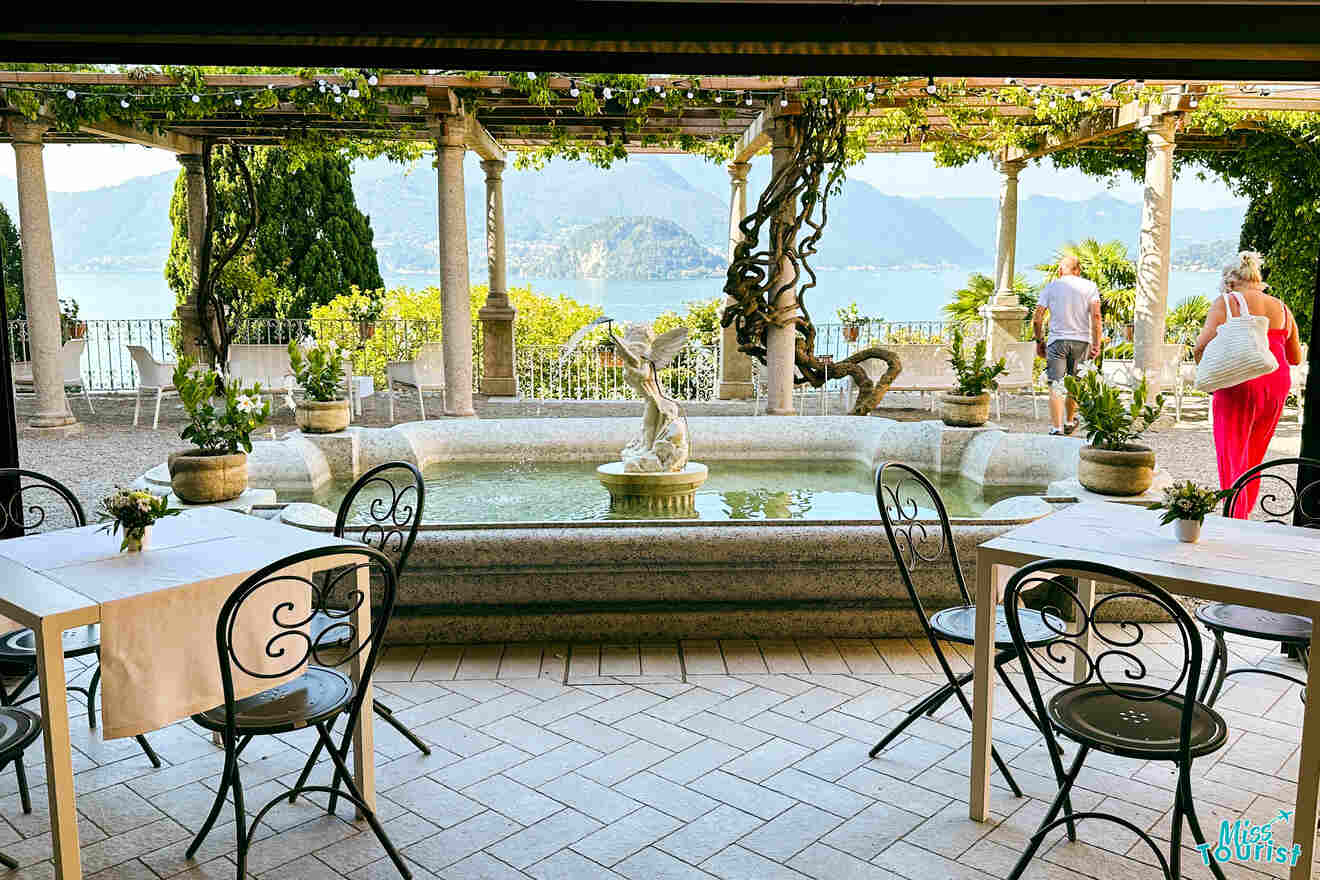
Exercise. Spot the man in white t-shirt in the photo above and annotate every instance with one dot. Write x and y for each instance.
(1073, 304)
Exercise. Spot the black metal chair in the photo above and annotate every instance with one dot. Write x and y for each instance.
(42, 503)
(1118, 706)
(1279, 501)
(393, 513)
(320, 693)
(19, 728)
(917, 525)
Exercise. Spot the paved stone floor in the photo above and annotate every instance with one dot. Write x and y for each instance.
(733, 759)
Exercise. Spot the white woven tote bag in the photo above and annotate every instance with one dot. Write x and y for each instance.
(1239, 351)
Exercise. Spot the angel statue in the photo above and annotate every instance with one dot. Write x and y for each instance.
(662, 444)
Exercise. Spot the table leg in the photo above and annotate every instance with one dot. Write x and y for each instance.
(364, 737)
(59, 751)
(1308, 769)
(983, 690)
(1081, 662)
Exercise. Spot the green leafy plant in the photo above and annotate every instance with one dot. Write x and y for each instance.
(851, 316)
(221, 416)
(1187, 500)
(975, 377)
(132, 510)
(1110, 424)
(319, 368)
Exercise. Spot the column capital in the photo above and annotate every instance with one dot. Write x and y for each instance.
(191, 162)
(738, 171)
(494, 169)
(1010, 168)
(1160, 132)
(25, 131)
(449, 131)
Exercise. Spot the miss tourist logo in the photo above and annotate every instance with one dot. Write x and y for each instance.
(1243, 841)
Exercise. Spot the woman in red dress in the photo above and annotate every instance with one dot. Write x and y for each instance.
(1246, 415)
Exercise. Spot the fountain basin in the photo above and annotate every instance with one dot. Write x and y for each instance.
(624, 579)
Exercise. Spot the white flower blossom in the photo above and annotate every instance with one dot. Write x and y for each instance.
(288, 400)
(247, 405)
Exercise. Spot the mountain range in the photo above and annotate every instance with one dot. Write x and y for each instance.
(651, 217)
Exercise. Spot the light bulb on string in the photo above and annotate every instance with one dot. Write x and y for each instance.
(372, 80)
(531, 76)
(636, 99)
(689, 94)
(123, 102)
(608, 93)
(931, 88)
(573, 88)
(238, 102)
(354, 93)
(783, 99)
(1139, 83)
(870, 94)
(656, 89)
(747, 98)
(70, 94)
(196, 99)
(823, 101)
(719, 99)
(1009, 81)
(1195, 101)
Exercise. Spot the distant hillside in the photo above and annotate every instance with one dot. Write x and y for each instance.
(621, 247)
(1045, 222)
(1210, 256)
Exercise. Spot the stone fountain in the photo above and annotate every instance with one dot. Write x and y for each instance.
(653, 473)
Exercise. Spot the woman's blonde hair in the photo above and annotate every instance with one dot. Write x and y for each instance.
(1247, 269)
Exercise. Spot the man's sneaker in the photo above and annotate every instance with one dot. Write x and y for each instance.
(1069, 427)
(1056, 432)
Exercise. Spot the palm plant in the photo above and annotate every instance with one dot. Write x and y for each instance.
(967, 300)
(1186, 318)
(1107, 264)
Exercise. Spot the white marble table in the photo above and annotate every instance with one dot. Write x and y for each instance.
(59, 580)
(1264, 565)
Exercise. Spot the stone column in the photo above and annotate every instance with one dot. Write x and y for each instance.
(1004, 314)
(498, 379)
(39, 289)
(780, 352)
(455, 311)
(189, 310)
(735, 367)
(1154, 250)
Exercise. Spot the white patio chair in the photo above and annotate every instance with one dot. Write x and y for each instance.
(425, 372)
(70, 368)
(1019, 358)
(152, 374)
(269, 365)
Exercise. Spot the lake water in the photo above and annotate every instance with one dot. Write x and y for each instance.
(890, 294)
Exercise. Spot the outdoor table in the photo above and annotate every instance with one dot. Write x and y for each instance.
(58, 580)
(1260, 564)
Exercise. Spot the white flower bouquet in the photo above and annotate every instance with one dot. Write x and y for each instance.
(134, 511)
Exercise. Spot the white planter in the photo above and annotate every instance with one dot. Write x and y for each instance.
(1188, 530)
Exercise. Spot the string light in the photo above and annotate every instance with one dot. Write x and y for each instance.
(353, 93)
(870, 94)
(531, 76)
(70, 94)
(123, 102)
(689, 94)
(573, 88)
(1139, 83)
(747, 98)
(636, 100)
(783, 99)
(608, 93)
(931, 88)
(719, 99)
(822, 100)
(372, 80)
(196, 99)
(1009, 81)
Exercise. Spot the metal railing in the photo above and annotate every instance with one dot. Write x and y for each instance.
(543, 372)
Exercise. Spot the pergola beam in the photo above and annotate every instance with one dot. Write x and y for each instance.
(755, 138)
(480, 141)
(170, 141)
(1109, 123)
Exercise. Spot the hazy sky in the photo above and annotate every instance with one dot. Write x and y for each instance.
(84, 167)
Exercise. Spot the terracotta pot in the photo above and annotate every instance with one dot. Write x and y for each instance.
(961, 411)
(323, 416)
(201, 478)
(1128, 331)
(366, 330)
(1116, 471)
(851, 332)
(1188, 530)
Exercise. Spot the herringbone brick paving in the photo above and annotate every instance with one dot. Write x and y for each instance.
(733, 759)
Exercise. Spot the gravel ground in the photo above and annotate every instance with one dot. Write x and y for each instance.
(110, 451)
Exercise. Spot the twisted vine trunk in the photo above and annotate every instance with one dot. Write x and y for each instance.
(217, 316)
(797, 196)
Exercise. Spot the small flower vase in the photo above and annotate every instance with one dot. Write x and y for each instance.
(1187, 530)
(136, 540)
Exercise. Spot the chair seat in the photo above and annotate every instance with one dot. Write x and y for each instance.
(20, 646)
(1145, 728)
(1256, 623)
(18, 729)
(317, 695)
(958, 624)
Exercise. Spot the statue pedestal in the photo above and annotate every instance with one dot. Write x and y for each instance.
(669, 492)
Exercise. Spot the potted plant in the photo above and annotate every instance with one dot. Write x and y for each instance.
(221, 419)
(1113, 464)
(319, 369)
(968, 404)
(134, 511)
(70, 326)
(852, 320)
(1185, 505)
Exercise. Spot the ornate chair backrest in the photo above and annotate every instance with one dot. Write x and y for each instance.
(383, 509)
(1279, 500)
(1020, 359)
(917, 525)
(31, 502)
(284, 643)
(1116, 659)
